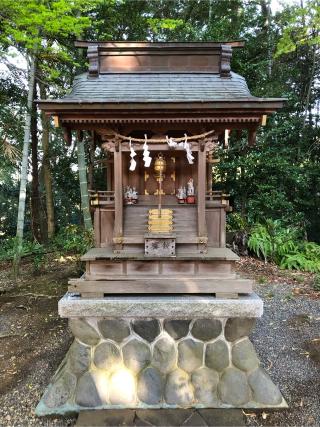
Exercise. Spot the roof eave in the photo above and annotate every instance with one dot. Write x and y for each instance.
(272, 104)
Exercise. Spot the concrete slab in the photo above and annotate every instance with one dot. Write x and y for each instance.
(109, 417)
(162, 417)
(177, 307)
(223, 417)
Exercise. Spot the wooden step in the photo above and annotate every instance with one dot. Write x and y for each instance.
(153, 267)
(180, 238)
(159, 286)
(102, 277)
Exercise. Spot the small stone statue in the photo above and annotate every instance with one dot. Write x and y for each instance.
(130, 195)
(134, 194)
(190, 190)
(181, 194)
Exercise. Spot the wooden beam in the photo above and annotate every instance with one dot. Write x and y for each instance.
(202, 230)
(155, 286)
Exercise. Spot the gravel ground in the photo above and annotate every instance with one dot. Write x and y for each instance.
(29, 359)
(282, 339)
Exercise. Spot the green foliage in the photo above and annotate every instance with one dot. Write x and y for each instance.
(236, 222)
(28, 22)
(73, 239)
(302, 27)
(283, 245)
(7, 248)
(316, 282)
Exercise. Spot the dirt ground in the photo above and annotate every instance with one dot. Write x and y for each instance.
(33, 340)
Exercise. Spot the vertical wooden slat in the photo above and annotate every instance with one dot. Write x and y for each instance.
(201, 190)
(109, 175)
(222, 228)
(118, 199)
(97, 228)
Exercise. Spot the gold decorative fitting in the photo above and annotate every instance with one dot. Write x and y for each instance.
(56, 121)
(118, 240)
(160, 221)
(203, 240)
(146, 176)
(264, 120)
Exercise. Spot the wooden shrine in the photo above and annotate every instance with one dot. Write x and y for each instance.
(160, 317)
(172, 103)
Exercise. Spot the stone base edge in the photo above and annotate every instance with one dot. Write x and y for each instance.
(178, 307)
(42, 410)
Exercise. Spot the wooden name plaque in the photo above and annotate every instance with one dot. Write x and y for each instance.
(160, 245)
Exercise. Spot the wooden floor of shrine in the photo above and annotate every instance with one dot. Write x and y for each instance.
(212, 254)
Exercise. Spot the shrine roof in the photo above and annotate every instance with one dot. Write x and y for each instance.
(133, 76)
(174, 87)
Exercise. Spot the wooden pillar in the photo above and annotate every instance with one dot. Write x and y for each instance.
(252, 137)
(109, 167)
(202, 190)
(118, 195)
(209, 172)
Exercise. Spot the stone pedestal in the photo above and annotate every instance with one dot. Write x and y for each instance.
(160, 352)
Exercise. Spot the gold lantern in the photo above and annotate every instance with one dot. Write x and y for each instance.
(160, 220)
(160, 166)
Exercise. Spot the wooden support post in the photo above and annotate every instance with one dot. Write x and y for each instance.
(202, 232)
(209, 172)
(252, 137)
(109, 172)
(118, 196)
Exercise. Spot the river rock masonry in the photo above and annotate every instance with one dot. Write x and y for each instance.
(137, 357)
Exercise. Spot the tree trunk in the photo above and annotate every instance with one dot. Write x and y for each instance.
(266, 14)
(310, 84)
(24, 168)
(91, 147)
(47, 177)
(35, 194)
(85, 204)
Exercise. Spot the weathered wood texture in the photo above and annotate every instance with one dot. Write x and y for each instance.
(154, 286)
(103, 227)
(118, 196)
(144, 57)
(103, 269)
(202, 229)
(107, 254)
(216, 226)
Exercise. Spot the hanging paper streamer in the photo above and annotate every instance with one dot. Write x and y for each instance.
(184, 144)
(226, 137)
(171, 142)
(133, 163)
(146, 153)
(187, 147)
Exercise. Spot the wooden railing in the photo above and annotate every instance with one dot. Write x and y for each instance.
(217, 196)
(101, 198)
